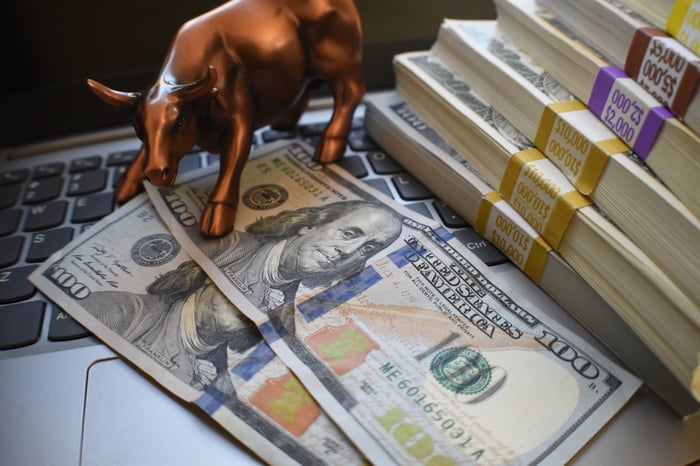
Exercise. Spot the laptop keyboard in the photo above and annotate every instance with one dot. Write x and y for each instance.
(43, 207)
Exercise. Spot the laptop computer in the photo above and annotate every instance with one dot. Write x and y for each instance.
(65, 398)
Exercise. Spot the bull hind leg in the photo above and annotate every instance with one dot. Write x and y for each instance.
(290, 119)
(336, 56)
(347, 88)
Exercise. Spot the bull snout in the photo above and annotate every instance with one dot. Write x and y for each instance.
(160, 176)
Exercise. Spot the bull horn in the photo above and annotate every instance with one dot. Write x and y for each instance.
(119, 99)
(199, 88)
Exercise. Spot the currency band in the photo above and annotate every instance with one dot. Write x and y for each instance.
(540, 192)
(508, 231)
(627, 109)
(665, 68)
(575, 140)
(684, 23)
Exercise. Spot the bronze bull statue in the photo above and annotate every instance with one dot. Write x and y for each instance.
(232, 70)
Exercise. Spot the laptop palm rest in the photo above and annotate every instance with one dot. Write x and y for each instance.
(130, 420)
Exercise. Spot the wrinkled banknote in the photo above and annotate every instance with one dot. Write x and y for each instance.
(129, 282)
(417, 351)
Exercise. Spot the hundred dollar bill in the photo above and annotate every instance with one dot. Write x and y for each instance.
(128, 281)
(417, 351)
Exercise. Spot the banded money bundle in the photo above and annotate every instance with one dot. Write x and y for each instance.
(602, 254)
(395, 125)
(667, 145)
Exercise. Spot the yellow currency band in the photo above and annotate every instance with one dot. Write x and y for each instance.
(597, 154)
(533, 263)
(513, 169)
(677, 16)
(565, 204)
(679, 24)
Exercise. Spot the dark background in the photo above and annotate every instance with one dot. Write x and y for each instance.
(48, 49)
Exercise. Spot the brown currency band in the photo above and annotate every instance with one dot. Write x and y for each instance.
(635, 59)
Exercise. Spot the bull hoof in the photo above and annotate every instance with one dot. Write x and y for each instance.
(126, 190)
(330, 149)
(217, 220)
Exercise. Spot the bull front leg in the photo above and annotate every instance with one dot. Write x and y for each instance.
(219, 214)
(131, 182)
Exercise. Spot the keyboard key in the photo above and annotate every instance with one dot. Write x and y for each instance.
(383, 164)
(20, 324)
(484, 250)
(13, 176)
(91, 208)
(49, 169)
(420, 208)
(312, 140)
(271, 135)
(10, 250)
(118, 173)
(9, 221)
(64, 327)
(43, 216)
(87, 182)
(409, 188)
(44, 244)
(121, 158)
(189, 163)
(448, 216)
(360, 141)
(354, 165)
(315, 129)
(14, 285)
(86, 226)
(85, 163)
(213, 158)
(312, 130)
(380, 185)
(43, 190)
(9, 195)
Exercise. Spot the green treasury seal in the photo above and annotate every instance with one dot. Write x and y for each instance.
(462, 370)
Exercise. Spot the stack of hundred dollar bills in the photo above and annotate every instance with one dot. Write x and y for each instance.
(602, 167)
(333, 326)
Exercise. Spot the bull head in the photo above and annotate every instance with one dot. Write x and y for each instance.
(164, 119)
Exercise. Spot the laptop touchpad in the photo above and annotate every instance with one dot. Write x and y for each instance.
(129, 420)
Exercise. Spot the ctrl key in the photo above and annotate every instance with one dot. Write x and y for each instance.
(20, 324)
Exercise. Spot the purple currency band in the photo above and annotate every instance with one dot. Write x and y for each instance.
(652, 122)
(650, 129)
(601, 88)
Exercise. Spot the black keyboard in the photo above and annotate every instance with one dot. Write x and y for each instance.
(44, 207)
